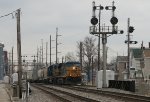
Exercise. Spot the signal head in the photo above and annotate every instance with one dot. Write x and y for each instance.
(114, 20)
(107, 8)
(94, 21)
(113, 8)
(131, 29)
(121, 32)
(101, 7)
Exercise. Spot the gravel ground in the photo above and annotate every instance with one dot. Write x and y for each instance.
(90, 95)
(39, 96)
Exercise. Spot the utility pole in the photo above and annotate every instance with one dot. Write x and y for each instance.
(40, 54)
(128, 34)
(92, 71)
(12, 64)
(37, 60)
(99, 25)
(99, 39)
(104, 41)
(42, 51)
(56, 43)
(50, 50)
(19, 53)
(46, 53)
(130, 29)
(142, 60)
(10, 68)
(81, 46)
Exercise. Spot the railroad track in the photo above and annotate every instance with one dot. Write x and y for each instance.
(117, 95)
(64, 95)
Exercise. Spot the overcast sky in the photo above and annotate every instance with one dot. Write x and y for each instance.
(39, 19)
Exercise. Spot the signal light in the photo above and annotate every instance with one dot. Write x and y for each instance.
(121, 32)
(23, 60)
(114, 20)
(110, 8)
(131, 29)
(94, 21)
(114, 7)
(101, 7)
(106, 8)
(94, 8)
(131, 42)
(135, 42)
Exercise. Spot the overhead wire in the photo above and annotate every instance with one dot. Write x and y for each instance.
(12, 13)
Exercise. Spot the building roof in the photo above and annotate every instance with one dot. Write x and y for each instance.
(1, 45)
(137, 52)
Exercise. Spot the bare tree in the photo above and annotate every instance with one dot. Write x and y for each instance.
(89, 50)
(70, 57)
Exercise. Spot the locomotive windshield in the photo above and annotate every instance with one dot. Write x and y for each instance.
(68, 64)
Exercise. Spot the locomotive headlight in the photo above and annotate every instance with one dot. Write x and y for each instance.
(74, 68)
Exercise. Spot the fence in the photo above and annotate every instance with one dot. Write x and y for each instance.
(124, 85)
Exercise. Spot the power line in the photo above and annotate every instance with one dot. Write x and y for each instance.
(12, 13)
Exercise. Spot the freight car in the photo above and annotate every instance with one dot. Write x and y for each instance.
(64, 73)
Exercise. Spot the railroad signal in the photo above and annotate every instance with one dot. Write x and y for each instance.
(94, 21)
(34, 60)
(121, 31)
(94, 7)
(114, 20)
(101, 7)
(110, 8)
(131, 42)
(104, 31)
(134, 42)
(131, 29)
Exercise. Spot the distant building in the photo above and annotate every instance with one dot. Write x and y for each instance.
(136, 63)
(146, 64)
(121, 69)
(1, 61)
(140, 63)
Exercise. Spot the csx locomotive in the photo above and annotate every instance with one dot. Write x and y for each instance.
(62, 73)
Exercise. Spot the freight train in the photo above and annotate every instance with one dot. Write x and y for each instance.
(62, 73)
